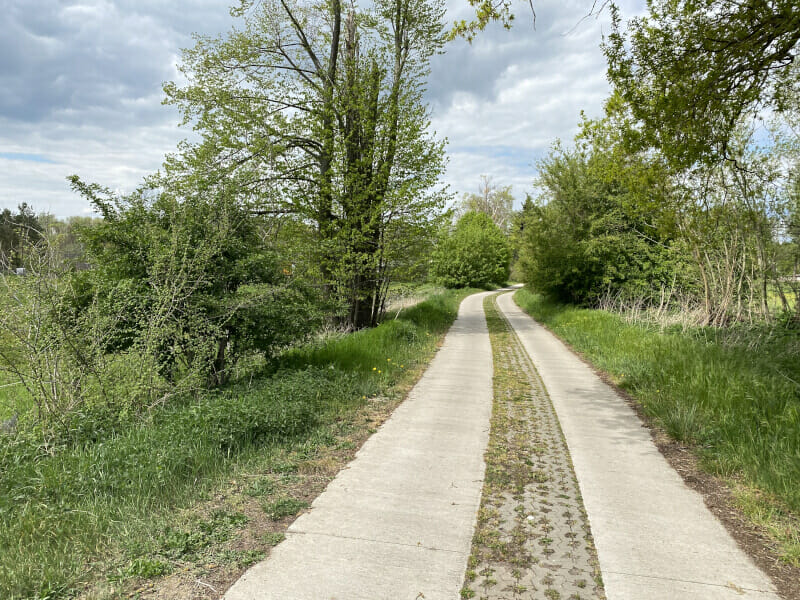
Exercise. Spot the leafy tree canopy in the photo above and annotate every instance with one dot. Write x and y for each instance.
(692, 69)
(17, 231)
(602, 223)
(316, 110)
(491, 199)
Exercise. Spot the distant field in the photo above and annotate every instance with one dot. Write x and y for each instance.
(404, 295)
(774, 299)
(13, 397)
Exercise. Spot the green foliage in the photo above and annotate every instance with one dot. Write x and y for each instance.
(54, 360)
(17, 232)
(493, 200)
(692, 69)
(316, 111)
(284, 507)
(178, 543)
(486, 11)
(188, 282)
(731, 393)
(600, 225)
(146, 568)
(77, 492)
(475, 254)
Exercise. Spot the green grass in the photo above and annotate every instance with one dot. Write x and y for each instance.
(14, 398)
(774, 300)
(380, 353)
(732, 394)
(112, 485)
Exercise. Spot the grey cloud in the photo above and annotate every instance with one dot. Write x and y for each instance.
(80, 82)
(66, 59)
(504, 100)
(476, 68)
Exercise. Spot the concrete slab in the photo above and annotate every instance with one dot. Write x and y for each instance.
(325, 567)
(397, 523)
(654, 536)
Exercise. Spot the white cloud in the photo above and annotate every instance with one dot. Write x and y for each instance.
(502, 101)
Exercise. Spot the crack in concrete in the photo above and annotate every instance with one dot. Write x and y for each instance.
(708, 583)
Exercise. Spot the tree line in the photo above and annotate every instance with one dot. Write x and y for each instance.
(686, 193)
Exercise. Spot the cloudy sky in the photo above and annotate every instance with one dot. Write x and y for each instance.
(80, 91)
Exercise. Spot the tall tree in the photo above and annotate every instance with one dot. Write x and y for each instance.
(316, 111)
(17, 232)
(602, 222)
(493, 200)
(475, 253)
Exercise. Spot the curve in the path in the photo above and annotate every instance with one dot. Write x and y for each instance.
(397, 523)
(655, 538)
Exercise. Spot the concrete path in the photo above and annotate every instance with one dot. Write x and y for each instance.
(397, 523)
(532, 540)
(655, 538)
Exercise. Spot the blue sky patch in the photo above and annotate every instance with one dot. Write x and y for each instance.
(27, 157)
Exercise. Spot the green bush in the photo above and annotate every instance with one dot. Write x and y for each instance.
(596, 230)
(189, 281)
(475, 254)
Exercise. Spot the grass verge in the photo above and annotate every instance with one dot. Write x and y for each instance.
(737, 407)
(202, 487)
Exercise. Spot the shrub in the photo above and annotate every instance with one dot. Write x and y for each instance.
(475, 254)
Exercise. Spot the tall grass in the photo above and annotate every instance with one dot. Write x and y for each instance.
(733, 394)
(62, 506)
(14, 398)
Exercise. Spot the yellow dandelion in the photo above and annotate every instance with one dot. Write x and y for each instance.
(379, 370)
(373, 368)
(388, 360)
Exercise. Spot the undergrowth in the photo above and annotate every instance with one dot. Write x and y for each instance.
(732, 394)
(108, 478)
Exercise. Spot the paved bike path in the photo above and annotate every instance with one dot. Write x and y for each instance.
(655, 538)
(397, 522)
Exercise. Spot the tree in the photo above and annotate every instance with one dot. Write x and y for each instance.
(188, 281)
(475, 254)
(693, 69)
(316, 111)
(602, 223)
(495, 201)
(17, 232)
